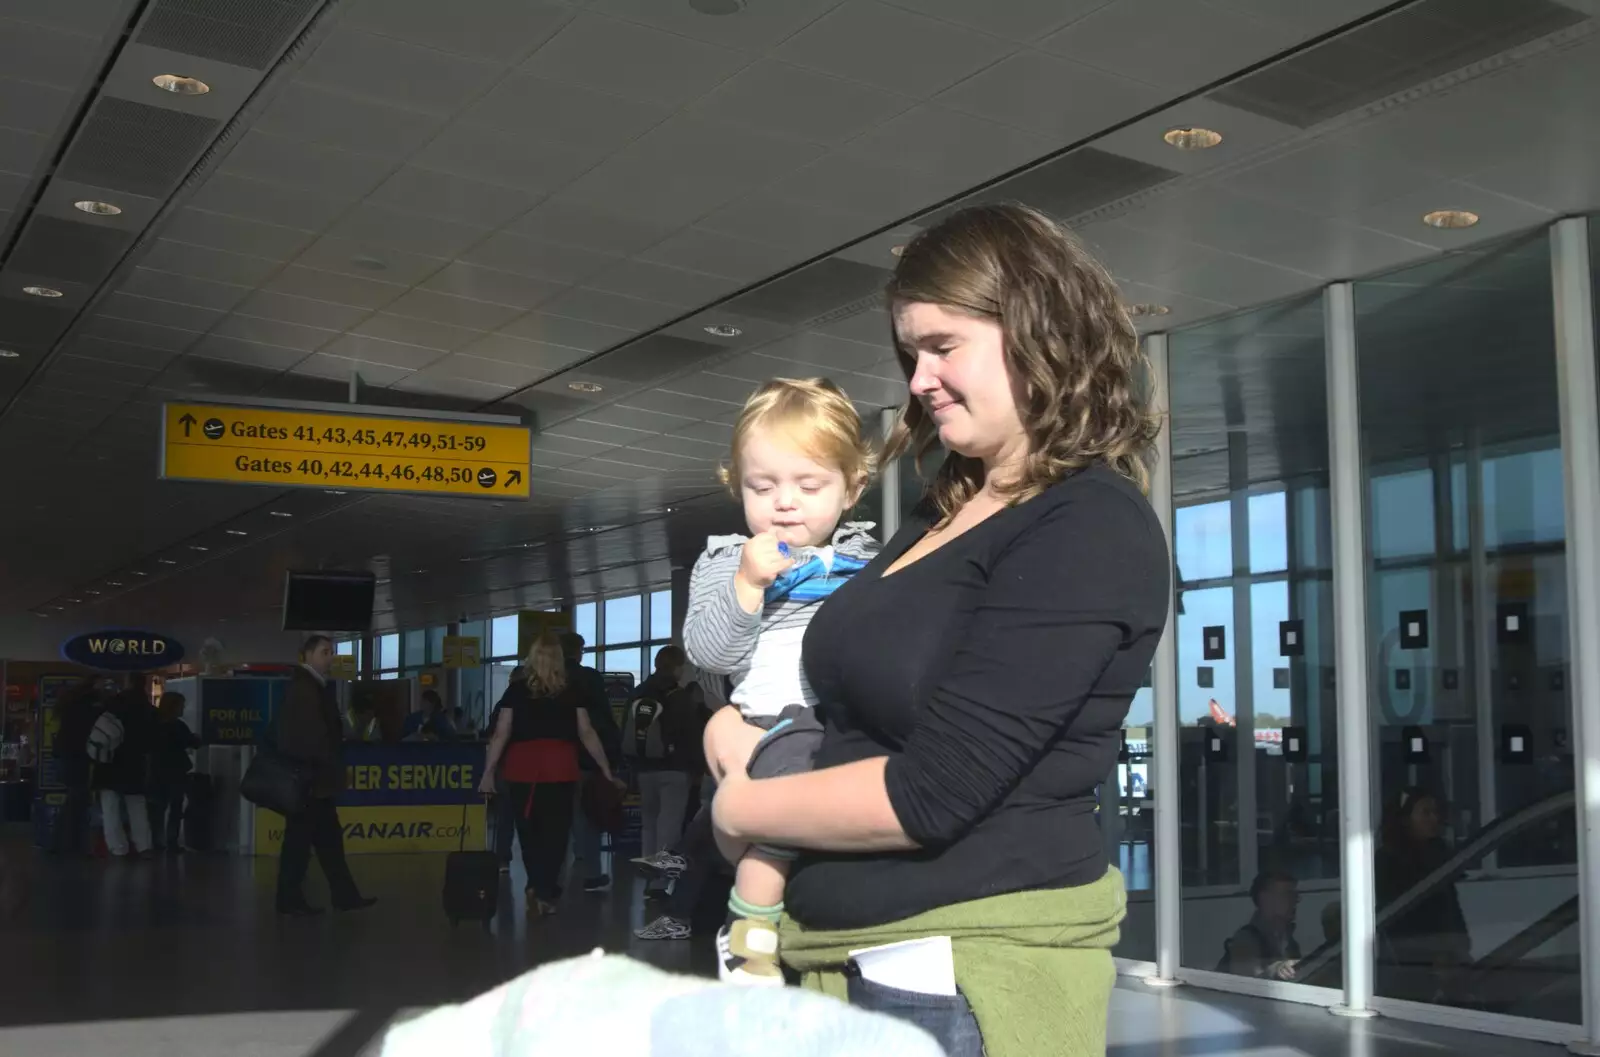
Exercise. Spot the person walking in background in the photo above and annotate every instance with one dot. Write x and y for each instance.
(310, 729)
(539, 725)
(79, 710)
(170, 765)
(120, 746)
(591, 689)
(658, 743)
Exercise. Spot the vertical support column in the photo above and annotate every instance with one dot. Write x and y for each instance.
(1580, 449)
(1167, 860)
(1243, 646)
(889, 481)
(1347, 509)
(680, 602)
(1482, 646)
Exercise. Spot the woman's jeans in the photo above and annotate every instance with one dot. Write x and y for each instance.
(949, 1020)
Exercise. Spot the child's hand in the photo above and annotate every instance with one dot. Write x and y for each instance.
(762, 561)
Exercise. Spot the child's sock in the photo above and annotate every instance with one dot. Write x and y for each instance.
(738, 908)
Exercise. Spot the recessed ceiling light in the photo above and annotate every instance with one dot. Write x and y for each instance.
(165, 561)
(74, 601)
(898, 251)
(370, 264)
(9, 354)
(198, 547)
(138, 572)
(99, 209)
(114, 583)
(280, 513)
(236, 532)
(334, 491)
(91, 591)
(1148, 310)
(723, 330)
(59, 609)
(180, 85)
(585, 387)
(1450, 219)
(418, 572)
(1192, 138)
(382, 581)
(42, 291)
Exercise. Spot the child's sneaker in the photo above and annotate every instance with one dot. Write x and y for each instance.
(747, 954)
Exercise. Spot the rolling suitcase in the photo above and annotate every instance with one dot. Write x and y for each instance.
(471, 882)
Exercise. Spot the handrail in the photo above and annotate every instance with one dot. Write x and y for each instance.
(1492, 836)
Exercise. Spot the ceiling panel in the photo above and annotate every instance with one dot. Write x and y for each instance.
(273, 203)
(892, 48)
(325, 315)
(319, 114)
(1051, 96)
(489, 284)
(1197, 44)
(407, 75)
(497, 30)
(633, 61)
(550, 111)
(423, 192)
(780, 97)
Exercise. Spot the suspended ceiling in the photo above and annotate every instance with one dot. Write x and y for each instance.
(475, 205)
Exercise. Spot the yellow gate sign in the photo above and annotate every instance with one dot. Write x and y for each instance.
(312, 448)
(461, 651)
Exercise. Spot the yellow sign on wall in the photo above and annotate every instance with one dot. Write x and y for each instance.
(344, 667)
(461, 651)
(531, 623)
(347, 452)
(380, 830)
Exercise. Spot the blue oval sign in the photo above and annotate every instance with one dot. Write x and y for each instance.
(121, 650)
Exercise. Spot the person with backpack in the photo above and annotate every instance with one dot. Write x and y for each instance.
(120, 746)
(658, 742)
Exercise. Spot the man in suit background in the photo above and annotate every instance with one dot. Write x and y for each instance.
(310, 729)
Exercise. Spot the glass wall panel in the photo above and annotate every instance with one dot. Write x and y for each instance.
(661, 614)
(503, 636)
(624, 660)
(583, 622)
(1467, 624)
(1257, 754)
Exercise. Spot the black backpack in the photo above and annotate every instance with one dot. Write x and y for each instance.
(643, 735)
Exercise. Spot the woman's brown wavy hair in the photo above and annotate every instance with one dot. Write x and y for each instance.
(1077, 369)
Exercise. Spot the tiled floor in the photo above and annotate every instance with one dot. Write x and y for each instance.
(180, 957)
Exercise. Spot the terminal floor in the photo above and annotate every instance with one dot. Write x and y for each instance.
(184, 956)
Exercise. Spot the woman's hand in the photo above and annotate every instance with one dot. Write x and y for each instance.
(621, 786)
(486, 786)
(726, 805)
(729, 741)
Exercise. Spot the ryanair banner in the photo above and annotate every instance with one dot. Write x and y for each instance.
(402, 798)
(380, 830)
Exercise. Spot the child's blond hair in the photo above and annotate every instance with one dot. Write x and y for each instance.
(817, 416)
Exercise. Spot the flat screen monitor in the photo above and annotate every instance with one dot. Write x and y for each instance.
(328, 601)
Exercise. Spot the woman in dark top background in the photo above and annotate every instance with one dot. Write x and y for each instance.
(170, 764)
(539, 724)
(973, 678)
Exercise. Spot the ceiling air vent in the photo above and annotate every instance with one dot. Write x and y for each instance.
(813, 291)
(30, 322)
(135, 147)
(652, 357)
(249, 33)
(1068, 186)
(1410, 47)
(61, 249)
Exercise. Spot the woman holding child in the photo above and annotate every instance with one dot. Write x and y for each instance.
(970, 680)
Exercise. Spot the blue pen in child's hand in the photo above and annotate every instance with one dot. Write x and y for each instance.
(783, 548)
